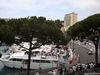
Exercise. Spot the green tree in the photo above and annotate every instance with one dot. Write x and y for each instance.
(25, 32)
(2, 22)
(58, 24)
(7, 34)
(39, 27)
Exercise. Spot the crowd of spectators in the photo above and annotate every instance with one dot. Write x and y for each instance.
(73, 70)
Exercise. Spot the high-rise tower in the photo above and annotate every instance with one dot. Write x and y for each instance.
(69, 20)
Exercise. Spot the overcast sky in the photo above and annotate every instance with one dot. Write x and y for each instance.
(51, 9)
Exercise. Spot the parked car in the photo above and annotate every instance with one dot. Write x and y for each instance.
(89, 53)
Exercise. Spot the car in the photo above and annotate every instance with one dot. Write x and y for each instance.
(89, 53)
(0, 55)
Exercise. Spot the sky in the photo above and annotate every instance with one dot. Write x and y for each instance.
(51, 9)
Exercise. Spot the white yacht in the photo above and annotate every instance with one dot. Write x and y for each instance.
(39, 60)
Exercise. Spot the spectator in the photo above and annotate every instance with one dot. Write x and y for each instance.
(37, 73)
(61, 71)
(74, 68)
(70, 70)
(88, 66)
(65, 69)
(80, 67)
(50, 72)
(56, 70)
(91, 65)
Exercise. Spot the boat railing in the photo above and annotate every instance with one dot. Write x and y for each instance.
(54, 57)
(45, 56)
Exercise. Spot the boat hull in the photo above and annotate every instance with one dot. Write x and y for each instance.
(20, 65)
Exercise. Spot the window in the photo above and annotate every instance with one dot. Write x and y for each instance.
(36, 61)
(13, 59)
(42, 61)
(18, 59)
(47, 61)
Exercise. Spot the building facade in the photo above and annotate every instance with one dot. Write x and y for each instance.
(69, 20)
(6, 19)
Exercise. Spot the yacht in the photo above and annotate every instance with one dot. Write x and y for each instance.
(39, 60)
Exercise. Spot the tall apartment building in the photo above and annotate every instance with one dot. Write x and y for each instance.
(69, 20)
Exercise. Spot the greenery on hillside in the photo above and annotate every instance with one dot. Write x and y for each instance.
(45, 30)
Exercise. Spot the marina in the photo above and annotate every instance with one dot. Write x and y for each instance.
(40, 56)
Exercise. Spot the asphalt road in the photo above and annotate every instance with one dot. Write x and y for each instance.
(83, 53)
